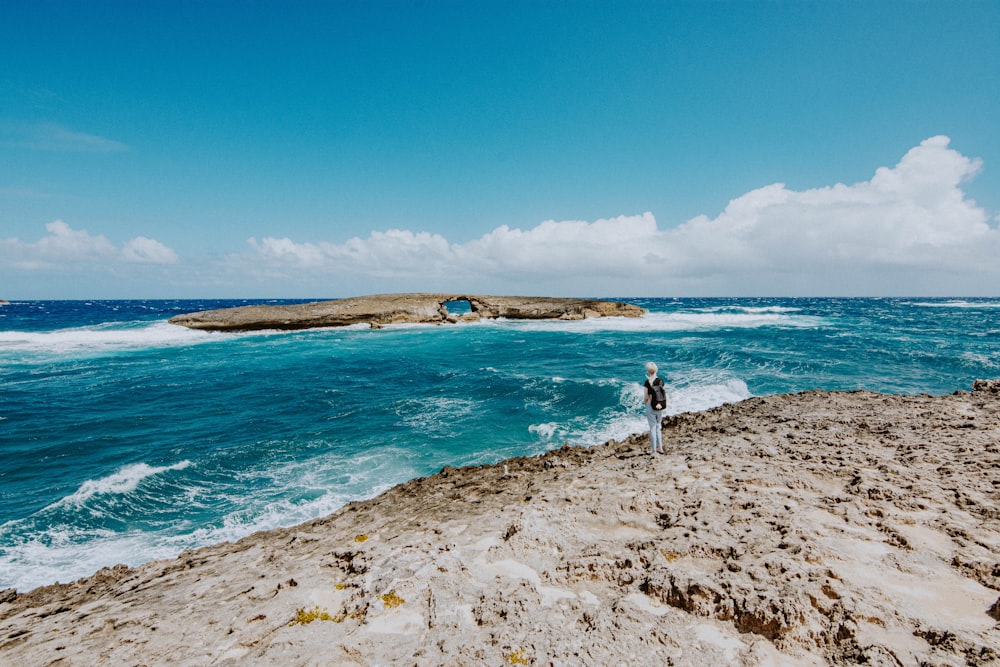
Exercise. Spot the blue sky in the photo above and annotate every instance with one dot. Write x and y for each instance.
(324, 149)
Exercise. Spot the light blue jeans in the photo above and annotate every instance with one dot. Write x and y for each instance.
(654, 417)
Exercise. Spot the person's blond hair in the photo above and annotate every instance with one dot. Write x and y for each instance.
(651, 368)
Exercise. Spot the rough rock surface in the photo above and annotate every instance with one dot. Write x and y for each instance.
(383, 309)
(807, 529)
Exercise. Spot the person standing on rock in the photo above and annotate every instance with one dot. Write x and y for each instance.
(655, 399)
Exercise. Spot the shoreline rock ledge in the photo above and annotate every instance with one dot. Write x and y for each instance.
(821, 529)
(378, 310)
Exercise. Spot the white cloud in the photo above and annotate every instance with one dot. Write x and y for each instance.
(387, 254)
(551, 249)
(56, 138)
(144, 250)
(908, 219)
(614, 247)
(64, 246)
(910, 229)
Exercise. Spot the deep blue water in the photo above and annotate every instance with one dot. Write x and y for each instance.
(125, 439)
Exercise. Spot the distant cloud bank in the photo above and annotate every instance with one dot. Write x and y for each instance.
(909, 230)
(907, 226)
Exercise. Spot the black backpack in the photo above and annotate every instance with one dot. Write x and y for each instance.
(658, 393)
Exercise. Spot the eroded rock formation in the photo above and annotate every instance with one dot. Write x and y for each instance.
(382, 309)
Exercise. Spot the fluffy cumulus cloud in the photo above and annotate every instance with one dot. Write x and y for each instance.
(142, 250)
(64, 247)
(615, 247)
(389, 254)
(912, 215)
(910, 225)
(909, 229)
(551, 250)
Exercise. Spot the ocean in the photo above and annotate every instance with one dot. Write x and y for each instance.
(126, 439)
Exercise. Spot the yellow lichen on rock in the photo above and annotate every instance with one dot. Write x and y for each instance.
(391, 600)
(307, 616)
(518, 657)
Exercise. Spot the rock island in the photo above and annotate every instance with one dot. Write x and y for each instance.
(381, 309)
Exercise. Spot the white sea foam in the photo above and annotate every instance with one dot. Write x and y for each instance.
(701, 320)
(65, 552)
(125, 480)
(434, 415)
(612, 427)
(545, 431)
(697, 397)
(750, 309)
(332, 480)
(955, 303)
(99, 339)
(597, 382)
(628, 418)
(745, 319)
(978, 360)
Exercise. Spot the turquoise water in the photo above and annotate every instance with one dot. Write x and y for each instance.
(126, 439)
